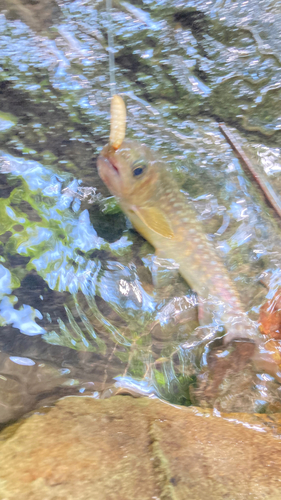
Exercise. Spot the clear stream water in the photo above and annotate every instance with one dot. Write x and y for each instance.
(79, 311)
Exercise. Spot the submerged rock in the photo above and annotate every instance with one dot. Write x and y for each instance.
(270, 316)
(124, 448)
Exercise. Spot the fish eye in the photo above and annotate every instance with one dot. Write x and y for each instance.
(139, 167)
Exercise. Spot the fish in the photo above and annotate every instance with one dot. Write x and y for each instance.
(150, 196)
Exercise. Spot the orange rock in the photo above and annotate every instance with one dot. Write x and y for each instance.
(270, 316)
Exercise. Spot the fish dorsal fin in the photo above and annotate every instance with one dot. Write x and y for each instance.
(153, 218)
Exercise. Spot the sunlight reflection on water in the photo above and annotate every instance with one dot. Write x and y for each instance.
(98, 307)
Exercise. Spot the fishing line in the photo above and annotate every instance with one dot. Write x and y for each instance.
(110, 49)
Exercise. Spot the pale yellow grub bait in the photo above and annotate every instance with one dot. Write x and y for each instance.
(117, 122)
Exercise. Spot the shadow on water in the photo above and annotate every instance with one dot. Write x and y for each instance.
(79, 309)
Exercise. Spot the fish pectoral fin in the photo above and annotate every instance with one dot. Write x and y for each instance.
(155, 220)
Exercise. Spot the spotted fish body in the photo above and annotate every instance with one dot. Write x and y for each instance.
(162, 214)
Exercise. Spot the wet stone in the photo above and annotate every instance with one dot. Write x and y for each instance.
(228, 382)
(123, 448)
(38, 14)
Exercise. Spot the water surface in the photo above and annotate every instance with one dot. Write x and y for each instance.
(79, 309)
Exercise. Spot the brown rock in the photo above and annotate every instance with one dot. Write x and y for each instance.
(25, 386)
(126, 448)
(229, 372)
(38, 14)
(270, 316)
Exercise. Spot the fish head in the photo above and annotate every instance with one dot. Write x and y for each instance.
(131, 172)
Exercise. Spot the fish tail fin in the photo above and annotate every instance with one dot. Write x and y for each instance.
(241, 328)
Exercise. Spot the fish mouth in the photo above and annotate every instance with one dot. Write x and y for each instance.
(113, 165)
(105, 163)
(109, 173)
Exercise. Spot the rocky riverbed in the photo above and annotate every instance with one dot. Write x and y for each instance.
(122, 448)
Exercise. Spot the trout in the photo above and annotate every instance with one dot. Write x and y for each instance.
(151, 198)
